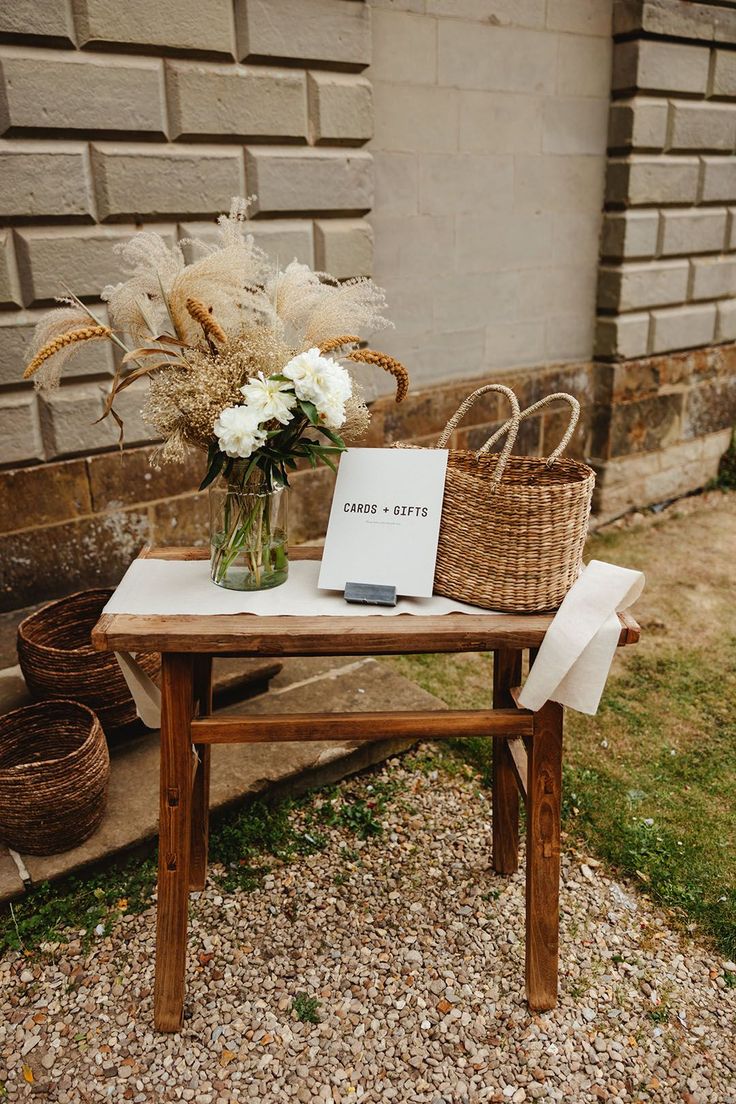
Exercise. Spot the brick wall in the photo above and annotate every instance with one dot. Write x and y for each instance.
(667, 279)
(490, 155)
(115, 116)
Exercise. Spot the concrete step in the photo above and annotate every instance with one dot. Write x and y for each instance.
(240, 771)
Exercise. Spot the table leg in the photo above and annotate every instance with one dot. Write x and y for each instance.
(177, 710)
(201, 787)
(506, 674)
(544, 778)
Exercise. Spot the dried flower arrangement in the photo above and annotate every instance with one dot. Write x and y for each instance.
(242, 358)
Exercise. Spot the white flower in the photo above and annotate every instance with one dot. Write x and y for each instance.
(320, 380)
(239, 432)
(270, 398)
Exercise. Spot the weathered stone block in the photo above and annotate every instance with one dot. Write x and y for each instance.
(639, 124)
(309, 504)
(9, 283)
(584, 17)
(693, 231)
(43, 494)
(660, 67)
(21, 438)
(336, 31)
(634, 286)
(125, 478)
(69, 419)
(505, 13)
(646, 425)
(723, 77)
(181, 521)
(630, 234)
(635, 379)
(91, 552)
(235, 101)
(477, 55)
(639, 181)
(499, 122)
(16, 332)
(135, 180)
(726, 321)
(344, 247)
(414, 119)
(404, 47)
(713, 277)
(683, 327)
(340, 108)
(83, 258)
(574, 126)
(701, 126)
(283, 239)
(41, 179)
(195, 26)
(718, 181)
(584, 66)
(675, 18)
(72, 92)
(27, 19)
(625, 335)
(309, 180)
(709, 407)
(472, 182)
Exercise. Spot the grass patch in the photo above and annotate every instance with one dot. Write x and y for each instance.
(649, 781)
(306, 1008)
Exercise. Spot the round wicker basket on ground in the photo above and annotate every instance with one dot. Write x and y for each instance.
(54, 773)
(58, 660)
(513, 527)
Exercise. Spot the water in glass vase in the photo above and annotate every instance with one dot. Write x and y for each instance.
(248, 536)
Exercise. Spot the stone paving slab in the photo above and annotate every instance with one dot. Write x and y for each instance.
(241, 770)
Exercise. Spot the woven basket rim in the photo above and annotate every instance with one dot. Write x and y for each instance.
(37, 615)
(38, 708)
(539, 461)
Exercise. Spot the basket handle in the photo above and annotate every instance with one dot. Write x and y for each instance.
(512, 425)
(512, 429)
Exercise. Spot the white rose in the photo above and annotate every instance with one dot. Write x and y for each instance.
(322, 381)
(239, 432)
(270, 398)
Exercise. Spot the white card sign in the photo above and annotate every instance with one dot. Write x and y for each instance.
(385, 520)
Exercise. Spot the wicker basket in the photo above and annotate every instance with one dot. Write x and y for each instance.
(513, 527)
(54, 772)
(58, 660)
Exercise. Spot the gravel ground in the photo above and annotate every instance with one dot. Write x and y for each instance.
(413, 949)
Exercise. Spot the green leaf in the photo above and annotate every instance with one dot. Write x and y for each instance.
(326, 460)
(214, 468)
(311, 412)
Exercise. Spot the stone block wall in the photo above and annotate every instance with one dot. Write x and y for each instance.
(116, 116)
(490, 156)
(667, 280)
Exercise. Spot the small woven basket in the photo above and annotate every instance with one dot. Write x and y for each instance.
(54, 773)
(513, 527)
(58, 660)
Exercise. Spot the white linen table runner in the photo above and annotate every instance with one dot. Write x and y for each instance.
(571, 667)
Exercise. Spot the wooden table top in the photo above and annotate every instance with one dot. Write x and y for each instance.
(247, 634)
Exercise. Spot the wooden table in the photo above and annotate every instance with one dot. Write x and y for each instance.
(527, 747)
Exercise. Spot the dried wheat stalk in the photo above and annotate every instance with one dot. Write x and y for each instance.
(212, 329)
(337, 343)
(56, 344)
(388, 363)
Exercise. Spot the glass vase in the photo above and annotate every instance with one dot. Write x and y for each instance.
(248, 536)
